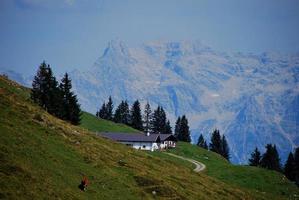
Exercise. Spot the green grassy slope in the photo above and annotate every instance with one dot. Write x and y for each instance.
(92, 123)
(270, 184)
(42, 157)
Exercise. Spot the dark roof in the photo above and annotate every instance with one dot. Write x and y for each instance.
(126, 137)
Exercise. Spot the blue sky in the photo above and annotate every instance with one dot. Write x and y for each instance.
(71, 34)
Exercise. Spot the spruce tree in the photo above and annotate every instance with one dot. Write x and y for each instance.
(270, 159)
(255, 159)
(201, 142)
(177, 128)
(296, 168)
(289, 168)
(147, 118)
(159, 121)
(118, 113)
(216, 142)
(225, 148)
(102, 113)
(168, 129)
(122, 113)
(136, 119)
(184, 133)
(71, 108)
(109, 109)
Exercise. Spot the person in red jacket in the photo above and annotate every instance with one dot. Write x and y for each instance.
(84, 183)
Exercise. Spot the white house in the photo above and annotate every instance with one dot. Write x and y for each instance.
(149, 142)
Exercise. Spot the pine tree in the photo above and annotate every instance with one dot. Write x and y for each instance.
(102, 113)
(289, 168)
(168, 129)
(201, 142)
(184, 134)
(109, 109)
(296, 169)
(177, 128)
(270, 159)
(136, 119)
(255, 159)
(159, 121)
(216, 144)
(122, 113)
(147, 118)
(225, 148)
(71, 108)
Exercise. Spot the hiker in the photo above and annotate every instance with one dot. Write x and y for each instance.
(84, 184)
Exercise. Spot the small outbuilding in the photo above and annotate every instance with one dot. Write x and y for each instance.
(150, 142)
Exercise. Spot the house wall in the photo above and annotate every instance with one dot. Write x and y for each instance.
(150, 146)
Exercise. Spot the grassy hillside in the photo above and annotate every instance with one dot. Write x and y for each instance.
(92, 123)
(270, 184)
(43, 157)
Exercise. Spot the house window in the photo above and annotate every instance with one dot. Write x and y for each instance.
(143, 146)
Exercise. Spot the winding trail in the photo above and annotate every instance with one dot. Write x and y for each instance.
(199, 166)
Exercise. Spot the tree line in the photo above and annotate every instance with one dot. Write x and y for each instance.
(56, 98)
(270, 160)
(149, 121)
(218, 144)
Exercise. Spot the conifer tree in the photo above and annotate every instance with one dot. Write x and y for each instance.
(184, 133)
(147, 118)
(177, 128)
(71, 109)
(216, 144)
(296, 168)
(109, 109)
(122, 113)
(289, 168)
(136, 119)
(201, 142)
(255, 159)
(159, 121)
(102, 113)
(168, 129)
(270, 159)
(225, 148)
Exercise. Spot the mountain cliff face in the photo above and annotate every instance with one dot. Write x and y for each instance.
(252, 99)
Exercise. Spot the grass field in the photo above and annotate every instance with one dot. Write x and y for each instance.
(43, 157)
(260, 181)
(92, 123)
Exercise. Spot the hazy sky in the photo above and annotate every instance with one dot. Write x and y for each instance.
(72, 34)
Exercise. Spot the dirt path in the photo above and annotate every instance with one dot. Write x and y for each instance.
(199, 166)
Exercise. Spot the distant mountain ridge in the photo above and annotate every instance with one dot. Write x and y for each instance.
(252, 99)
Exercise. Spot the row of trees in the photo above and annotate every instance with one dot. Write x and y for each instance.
(218, 144)
(56, 98)
(270, 160)
(150, 121)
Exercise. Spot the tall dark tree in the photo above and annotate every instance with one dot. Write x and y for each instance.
(44, 88)
(270, 158)
(71, 108)
(216, 142)
(168, 129)
(102, 113)
(159, 121)
(289, 167)
(296, 170)
(177, 127)
(122, 113)
(201, 142)
(109, 109)
(136, 119)
(147, 118)
(184, 132)
(225, 148)
(255, 159)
